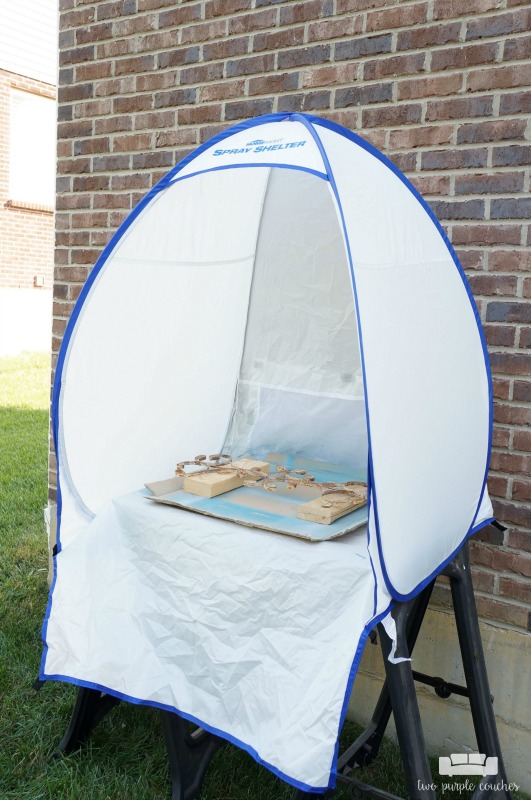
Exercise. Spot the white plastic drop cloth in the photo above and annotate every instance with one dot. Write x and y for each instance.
(251, 634)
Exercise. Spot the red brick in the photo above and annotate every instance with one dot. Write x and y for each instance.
(498, 558)
(483, 581)
(429, 87)
(391, 115)
(194, 114)
(486, 234)
(132, 142)
(306, 11)
(509, 312)
(335, 28)
(178, 57)
(432, 185)
(273, 83)
(482, 183)
(129, 66)
(214, 29)
(521, 490)
(223, 8)
(364, 95)
(455, 159)
(181, 15)
(129, 105)
(410, 64)
(303, 56)
(392, 18)
(226, 48)
(201, 74)
(518, 590)
(511, 155)
(511, 363)
(510, 512)
(499, 335)
(443, 9)
(330, 75)
(520, 540)
(499, 24)
(522, 391)
(517, 49)
(155, 119)
(115, 87)
(246, 23)
(250, 66)
(459, 108)
(278, 40)
(500, 78)
(511, 462)
(515, 103)
(509, 414)
(94, 70)
(508, 613)
(134, 25)
(369, 45)
(222, 91)
(522, 441)
(422, 38)
(115, 47)
(93, 33)
(494, 285)
(509, 261)
(247, 108)
(464, 57)
(497, 486)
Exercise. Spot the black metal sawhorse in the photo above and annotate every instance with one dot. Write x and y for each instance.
(190, 752)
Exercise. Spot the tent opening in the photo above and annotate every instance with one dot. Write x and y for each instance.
(300, 387)
(227, 323)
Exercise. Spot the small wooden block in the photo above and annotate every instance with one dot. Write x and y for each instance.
(314, 511)
(210, 484)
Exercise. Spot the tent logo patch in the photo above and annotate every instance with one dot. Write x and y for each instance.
(259, 146)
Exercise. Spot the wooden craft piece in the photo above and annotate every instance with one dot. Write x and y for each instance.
(211, 483)
(315, 511)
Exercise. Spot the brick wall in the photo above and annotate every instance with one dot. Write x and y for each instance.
(441, 86)
(26, 230)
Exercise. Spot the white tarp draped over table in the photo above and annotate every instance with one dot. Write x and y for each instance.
(248, 632)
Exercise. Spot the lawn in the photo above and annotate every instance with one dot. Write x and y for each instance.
(125, 758)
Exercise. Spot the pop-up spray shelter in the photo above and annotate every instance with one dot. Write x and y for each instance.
(284, 288)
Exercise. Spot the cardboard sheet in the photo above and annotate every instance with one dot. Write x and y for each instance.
(271, 511)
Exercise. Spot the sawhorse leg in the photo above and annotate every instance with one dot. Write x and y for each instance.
(90, 708)
(475, 670)
(189, 754)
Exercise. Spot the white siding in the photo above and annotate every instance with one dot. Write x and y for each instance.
(28, 38)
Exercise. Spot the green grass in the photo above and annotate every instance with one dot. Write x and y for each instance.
(125, 758)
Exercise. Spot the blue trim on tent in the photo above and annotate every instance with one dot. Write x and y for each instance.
(190, 718)
(227, 736)
(246, 166)
(350, 682)
(377, 154)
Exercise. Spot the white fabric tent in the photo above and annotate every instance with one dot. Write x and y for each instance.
(284, 288)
